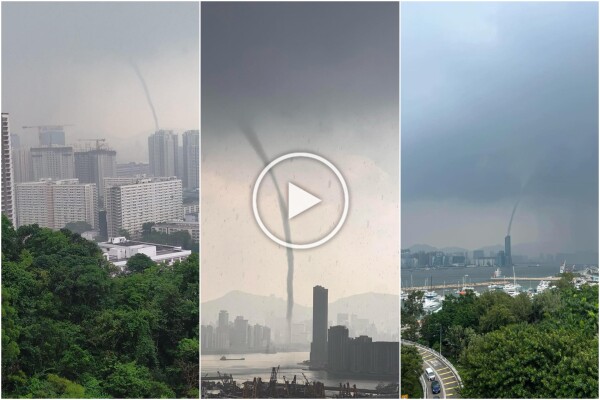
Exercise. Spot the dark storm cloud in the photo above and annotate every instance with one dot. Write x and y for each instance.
(298, 60)
(310, 76)
(499, 99)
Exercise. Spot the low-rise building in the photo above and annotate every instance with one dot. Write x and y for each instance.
(118, 250)
(169, 227)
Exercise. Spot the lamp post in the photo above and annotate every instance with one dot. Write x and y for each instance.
(441, 339)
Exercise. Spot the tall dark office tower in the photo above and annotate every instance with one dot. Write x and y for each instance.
(318, 347)
(337, 348)
(8, 194)
(191, 159)
(507, 253)
(93, 165)
(163, 151)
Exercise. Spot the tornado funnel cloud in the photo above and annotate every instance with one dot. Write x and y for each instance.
(252, 138)
(512, 215)
(146, 92)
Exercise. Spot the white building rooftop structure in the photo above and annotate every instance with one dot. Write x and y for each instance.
(118, 250)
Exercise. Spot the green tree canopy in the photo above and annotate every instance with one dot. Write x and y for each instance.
(78, 227)
(139, 263)
(411, 368)
(73, 328)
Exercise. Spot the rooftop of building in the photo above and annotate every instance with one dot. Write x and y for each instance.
(176, 224)
(161, 249)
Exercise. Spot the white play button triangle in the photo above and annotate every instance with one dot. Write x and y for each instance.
(299, 200)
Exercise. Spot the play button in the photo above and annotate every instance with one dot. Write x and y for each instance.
(299, 200)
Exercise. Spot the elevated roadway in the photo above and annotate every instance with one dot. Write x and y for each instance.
(445, 373)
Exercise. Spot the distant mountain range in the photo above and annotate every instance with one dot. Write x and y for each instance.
(427, 248)
(532, 250)
(382, 309)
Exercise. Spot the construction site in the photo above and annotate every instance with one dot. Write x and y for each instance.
(224, 386)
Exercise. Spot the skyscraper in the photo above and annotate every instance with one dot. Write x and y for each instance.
(507, 251)
(8, 194)
(163, 153)
(223, 330)
(318, 347)
(93, 165)
(52, 162)
(337, 348)
(191, 159)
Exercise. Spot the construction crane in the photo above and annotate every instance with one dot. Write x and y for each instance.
(97, 140)
(42, 128)
(305, 378)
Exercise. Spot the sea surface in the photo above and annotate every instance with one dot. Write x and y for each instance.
(260, 364)
(455, 275)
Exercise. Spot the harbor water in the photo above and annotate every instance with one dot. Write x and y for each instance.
(455, 275)
(260, 364)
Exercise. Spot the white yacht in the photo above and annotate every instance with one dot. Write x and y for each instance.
(512, 289)
(431, 302)
(495, 286)
(542, 286)
(403, 295)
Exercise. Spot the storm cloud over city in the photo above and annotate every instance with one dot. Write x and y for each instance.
(499, 103)
(78, 63)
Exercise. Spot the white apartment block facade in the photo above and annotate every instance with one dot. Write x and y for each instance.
(169, 227)
(130, 205)
(8, 179)
(75, 202)
(53, 204)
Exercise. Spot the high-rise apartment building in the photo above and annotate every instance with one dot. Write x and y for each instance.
(8, 194)
(222, 330)
(52, 162)
(318, 347)
(21, 160)
(75, 202)
(35, 204)
(92, 166)
(131, 204)
(133, 169)
(191, 159)
(53, 204)
(163, 152)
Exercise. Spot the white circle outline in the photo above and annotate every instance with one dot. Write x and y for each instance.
(307, 245)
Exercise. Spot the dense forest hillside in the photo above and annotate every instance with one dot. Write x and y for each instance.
(73, 327)
(514, 347)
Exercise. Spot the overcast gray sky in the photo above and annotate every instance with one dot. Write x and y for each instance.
(500, 99)
(317, 77)
(69, 62)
